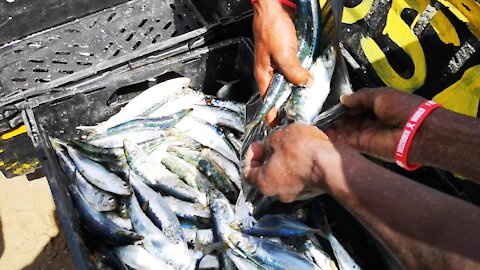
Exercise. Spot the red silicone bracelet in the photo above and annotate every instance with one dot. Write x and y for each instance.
(411, 127)
(287, 3)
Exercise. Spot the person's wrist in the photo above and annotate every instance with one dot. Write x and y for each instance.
(422, 150)
(329, 164)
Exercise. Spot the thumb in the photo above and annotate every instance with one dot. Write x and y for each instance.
(363, 99)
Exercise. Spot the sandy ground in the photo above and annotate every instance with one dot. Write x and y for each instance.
(29, 234)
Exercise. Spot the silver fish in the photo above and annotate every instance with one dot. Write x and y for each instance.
(318, 256)
(138, 258)
(100, 225)
(189, 211)
(269, 254)
(158, 210)
(209, 136)
(119, 221)
(99, 175)
(155, 241)
(219, 116)
(184, 100)
(187, 172)
(99, 199)
(152, 97)
(135, 136)
(157, 176)
(306, 103)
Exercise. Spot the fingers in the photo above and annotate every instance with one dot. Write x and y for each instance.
(263, 69)
(288, 64)
(254, 157)
(363, 99)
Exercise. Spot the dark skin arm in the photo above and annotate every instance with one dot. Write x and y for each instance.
(445, 139)
(424, 228)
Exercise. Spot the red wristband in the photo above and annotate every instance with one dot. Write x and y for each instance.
(411, 127)
(287, 3)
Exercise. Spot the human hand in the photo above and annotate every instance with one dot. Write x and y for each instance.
(377, 135)
(276, 47)
(288, 164)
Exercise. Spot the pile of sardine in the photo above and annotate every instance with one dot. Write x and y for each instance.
(158, 185)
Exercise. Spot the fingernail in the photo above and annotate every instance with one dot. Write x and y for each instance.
(342, 98)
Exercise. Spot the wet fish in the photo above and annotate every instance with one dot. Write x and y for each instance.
(187, 172)
(228, 166)
(98, 154)
(155, 241)
(116, 140)
(306, 103)
(219, 178)
(185, 100)
(119, 221)
(237, 107)
(219, 116)
(98, 175)
(100, 225)
(157, 209)
(143, 123)
(155, 96)
(100, 200)
(319, 257)
(194, 212)
(209, 136)
(269, 254)
(158, 177)
(209, 262)
(278, 226)
(138, 258)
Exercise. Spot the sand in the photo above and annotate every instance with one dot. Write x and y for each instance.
(30, 237)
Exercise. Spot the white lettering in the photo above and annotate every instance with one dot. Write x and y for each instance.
(403, 141)
(417, 114)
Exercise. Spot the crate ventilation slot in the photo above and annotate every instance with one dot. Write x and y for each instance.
(91, 40)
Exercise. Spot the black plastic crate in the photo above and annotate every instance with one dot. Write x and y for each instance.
(47, 65)
(208, 67)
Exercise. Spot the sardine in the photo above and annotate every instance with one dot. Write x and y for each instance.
(187, 172)
(99, 199)
(98, 175)
(138, 258)
(189, 211)
(306, 103)
(237, 107)
(143, 123)
(217, 175)
(269, 254)
(155, 241)
(158, 177)
(185, 100)
(138, 137)
(219, 116)
(319, 257)
(100, 225)
(152, 97)
(119, 221)
(209, 262)
(209, 136)
(157, 210)
(278, 226)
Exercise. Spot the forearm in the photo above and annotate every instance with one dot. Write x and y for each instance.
(423, 227)
(449, 141)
